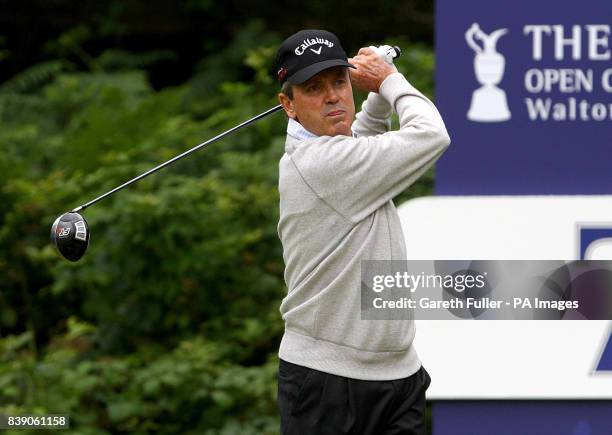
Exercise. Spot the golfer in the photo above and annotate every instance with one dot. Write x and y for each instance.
(339, 374)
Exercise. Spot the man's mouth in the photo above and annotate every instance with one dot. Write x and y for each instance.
(336, 113)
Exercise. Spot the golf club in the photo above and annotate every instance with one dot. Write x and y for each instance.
(70, 232)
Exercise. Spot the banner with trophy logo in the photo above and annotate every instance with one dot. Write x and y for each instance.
(525, 90)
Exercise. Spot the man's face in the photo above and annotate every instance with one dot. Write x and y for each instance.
(324, 103)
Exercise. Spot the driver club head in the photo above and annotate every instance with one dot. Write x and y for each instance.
(70, 235)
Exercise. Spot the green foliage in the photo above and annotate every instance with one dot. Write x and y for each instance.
(35, 76)
(113, 59)
(170, 323)
(189, 388)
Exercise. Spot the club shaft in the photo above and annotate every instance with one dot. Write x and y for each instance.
(180, 156)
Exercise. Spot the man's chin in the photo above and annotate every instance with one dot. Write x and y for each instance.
(341, 127)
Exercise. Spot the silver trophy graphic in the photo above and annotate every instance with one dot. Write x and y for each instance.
(489, 103)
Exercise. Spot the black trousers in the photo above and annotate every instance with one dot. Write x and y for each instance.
(313, 402)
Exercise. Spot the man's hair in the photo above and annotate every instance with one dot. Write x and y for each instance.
(287, 89)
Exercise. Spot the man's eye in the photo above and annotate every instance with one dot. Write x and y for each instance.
(340, 81)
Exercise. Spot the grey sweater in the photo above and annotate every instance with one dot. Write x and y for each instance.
(336, 210)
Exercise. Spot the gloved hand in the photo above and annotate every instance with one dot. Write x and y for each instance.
(387, 53)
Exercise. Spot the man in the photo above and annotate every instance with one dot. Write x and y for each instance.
(339, 374)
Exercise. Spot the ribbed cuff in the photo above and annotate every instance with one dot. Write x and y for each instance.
(394, 86)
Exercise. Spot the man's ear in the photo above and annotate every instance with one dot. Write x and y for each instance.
(287, 105)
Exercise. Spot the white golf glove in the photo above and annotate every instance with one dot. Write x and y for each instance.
(387, 53)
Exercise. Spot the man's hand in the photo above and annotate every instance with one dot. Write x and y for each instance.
(371, 70)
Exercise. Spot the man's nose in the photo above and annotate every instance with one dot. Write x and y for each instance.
(331, 94)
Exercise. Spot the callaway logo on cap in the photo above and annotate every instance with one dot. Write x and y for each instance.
(307, 53)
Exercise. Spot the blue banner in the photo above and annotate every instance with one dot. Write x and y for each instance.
(524, 418)
(525, 90)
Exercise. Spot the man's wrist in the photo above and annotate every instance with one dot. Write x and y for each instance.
(392, 85)
(391, 69)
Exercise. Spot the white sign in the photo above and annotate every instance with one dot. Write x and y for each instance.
(509, 359)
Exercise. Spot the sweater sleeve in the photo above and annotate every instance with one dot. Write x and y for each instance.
(374, 117)
(356, 176)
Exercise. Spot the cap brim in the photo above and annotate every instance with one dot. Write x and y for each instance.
(304, 74)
